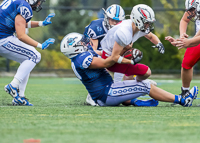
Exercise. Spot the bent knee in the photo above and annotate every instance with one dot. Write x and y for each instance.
(36, 57)
(148, 73)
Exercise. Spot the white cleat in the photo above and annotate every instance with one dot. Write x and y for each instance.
(89, 101)
(152, 82)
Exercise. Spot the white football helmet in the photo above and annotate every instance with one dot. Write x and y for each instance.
(190, 6)
(71, 45)
(36, 6)
(114, 12)
(143, 16)
(198, 11)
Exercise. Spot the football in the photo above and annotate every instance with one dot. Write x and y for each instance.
(132, 54)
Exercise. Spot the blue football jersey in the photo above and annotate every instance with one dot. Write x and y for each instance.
(96, 30)
(96, 81)
(9, 9)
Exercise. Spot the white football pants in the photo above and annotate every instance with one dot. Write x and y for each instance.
(125, 90)
(14, 49)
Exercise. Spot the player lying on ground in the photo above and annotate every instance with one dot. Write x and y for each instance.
(15, 16)
(90, 69)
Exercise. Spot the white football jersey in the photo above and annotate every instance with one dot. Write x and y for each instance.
(122, 34)
(197, 25)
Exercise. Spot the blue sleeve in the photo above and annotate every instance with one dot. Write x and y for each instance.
(84, 60)
(25, 11)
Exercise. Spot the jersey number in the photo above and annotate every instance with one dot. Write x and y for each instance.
(91, 33)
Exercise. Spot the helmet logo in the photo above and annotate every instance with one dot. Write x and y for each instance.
(109, 9)
(143, 13)
(192, 2)
(71, 41)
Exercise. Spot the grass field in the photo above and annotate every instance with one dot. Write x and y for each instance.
(59, 115)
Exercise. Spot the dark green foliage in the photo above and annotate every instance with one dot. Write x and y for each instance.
(154, 59)
(67, 21)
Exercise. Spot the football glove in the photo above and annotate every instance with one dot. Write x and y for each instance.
(47, 21)
(137, 59)
(160, 47)
(47, 43)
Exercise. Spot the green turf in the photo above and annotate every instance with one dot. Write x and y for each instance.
(60, 116)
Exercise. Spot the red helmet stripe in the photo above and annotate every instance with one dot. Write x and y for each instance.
(143, 13)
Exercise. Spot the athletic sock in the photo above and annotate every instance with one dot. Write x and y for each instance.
(185, 88)
(177, 99)
(15, 83)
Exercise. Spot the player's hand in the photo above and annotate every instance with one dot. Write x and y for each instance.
(47, 21)
(47, 43)
(170, 39)
(182, 43)
(160, 47)
(137, 59)
(184, 35)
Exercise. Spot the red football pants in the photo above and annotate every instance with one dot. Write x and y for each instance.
(191, 57)
(127, 69)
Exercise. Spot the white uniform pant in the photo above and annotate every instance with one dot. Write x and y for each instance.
(14, 49)
(125, 90)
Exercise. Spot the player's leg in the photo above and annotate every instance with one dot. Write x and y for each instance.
(131, 89)
(22, 88)
(191, 57)
(142, 71)
(28, 56)
(137, 102)
(162, 95)
(126, 90)
(118, 77)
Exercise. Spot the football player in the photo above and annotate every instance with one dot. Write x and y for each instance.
(15, 16)
(127, 32)
(192, 54)
(96, 31)
(90, 69)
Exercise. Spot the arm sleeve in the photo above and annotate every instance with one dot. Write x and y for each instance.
(86, 60)
(25, 11)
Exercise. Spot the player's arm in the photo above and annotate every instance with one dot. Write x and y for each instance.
(187, 43)
(183, 25)
(98, 63)
(117, 50)
(20, 26)
(94, 43)
(154, 39)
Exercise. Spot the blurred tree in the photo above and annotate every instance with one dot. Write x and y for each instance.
(67, 21)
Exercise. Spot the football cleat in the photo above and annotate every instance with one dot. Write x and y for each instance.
(15, 102)
(14, 92)
(187, 99)
(145, 103)
(26, 102)
(152, 82)
(89, 101)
